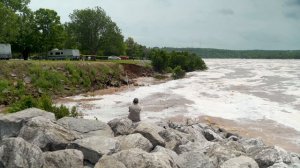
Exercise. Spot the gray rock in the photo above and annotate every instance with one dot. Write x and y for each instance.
(284, 156)
(194, 146)
(121, 126)
(151, 132)
(11, 124)
(63, 159)
(109, 162)
(86, 127)
(16, 152)
(240, 162)
(220, 153)
(134, 158)
(210, 135)
(93, 148)
(135, 141)
(46, 134)
(194, 160)
(280, 165)
(252, 144)
(168, 152)
(172, 139)
(266, 157)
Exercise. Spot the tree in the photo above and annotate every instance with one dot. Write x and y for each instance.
(8, 24)
(49, 29)
(16, 5)
(95, 32)
(159, 60)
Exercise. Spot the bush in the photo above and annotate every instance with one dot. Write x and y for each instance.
(44, 103)
(178, 73)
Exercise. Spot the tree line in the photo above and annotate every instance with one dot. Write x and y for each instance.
(248, 54)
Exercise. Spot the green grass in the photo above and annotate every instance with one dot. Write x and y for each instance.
(24, 82)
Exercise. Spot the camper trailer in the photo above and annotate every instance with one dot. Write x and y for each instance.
(5, 51)
(71, 54)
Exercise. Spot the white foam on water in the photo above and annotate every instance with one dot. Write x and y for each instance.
(229, 89)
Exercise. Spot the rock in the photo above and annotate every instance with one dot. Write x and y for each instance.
(63, 159)
(46, 134)
(93, 148)
(109, 162)
(266, 157)
(220, 153)
(280, 165)
(168, 152)
(210, 135)
(27, 80)
(194, 146)
(86, 127)
(11, 124)
(284, 156)
(151, 132)
(172, 140)
(134, 158)
(240, 162)
(135, 141)
(194, 160)
(16, 152)
(251, 144)
(122, 126)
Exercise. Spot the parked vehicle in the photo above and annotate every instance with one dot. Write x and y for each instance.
(65, 54)
(124, 57)
(5, 51)
(114, 58)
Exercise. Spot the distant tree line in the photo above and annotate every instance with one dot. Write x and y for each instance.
(247, 54)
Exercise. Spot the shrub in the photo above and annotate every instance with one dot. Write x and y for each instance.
(178, 73)
(44, 103)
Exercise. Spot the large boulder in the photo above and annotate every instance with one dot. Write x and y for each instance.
(63, 159)
(121, 126)
(46, 134)
(220, 153)
(266, 157)
(135, 141)
(168, 152)
(240, 162)
(109, 162)
(151, 132)
(252, 144)
(134, 158)
(172, 138)
(194, 160)
(16, 152)
(194, 146)
(93, 148)
(86, 127)
(12, 123)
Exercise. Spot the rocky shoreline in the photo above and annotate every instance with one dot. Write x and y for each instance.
(34, 138)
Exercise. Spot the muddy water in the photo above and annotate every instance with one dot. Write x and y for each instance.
(255, 97)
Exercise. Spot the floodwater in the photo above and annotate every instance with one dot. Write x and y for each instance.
(258, 96)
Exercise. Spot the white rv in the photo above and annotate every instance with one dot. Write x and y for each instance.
(5, 51)
(57, 54)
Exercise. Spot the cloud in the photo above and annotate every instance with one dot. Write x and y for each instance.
(292, 2)
(292, 15)
(249, 24)
(226, 11)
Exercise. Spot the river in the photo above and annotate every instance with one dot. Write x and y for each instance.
(256, 98)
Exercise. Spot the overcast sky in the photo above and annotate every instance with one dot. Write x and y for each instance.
(228, 24)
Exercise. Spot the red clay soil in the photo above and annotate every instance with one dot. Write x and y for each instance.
(135, 71)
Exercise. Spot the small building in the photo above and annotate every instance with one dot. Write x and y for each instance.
(56, 54)
(5, 51)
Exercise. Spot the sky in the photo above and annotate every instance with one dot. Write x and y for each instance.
(224, 24)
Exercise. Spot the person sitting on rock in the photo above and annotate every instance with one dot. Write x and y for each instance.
(134, 111)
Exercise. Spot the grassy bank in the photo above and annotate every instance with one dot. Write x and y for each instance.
(21, 80)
